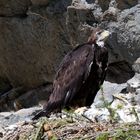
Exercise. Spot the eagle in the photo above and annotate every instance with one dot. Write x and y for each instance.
(80, 75)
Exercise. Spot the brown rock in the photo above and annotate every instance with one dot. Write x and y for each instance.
(13, 7)
(32, 47)
(39, 2)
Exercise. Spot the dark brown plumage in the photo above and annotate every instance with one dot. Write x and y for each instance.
(80, 75)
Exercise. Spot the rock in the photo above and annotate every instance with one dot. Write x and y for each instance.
(33, 97)
(133, 83)
(12, 127)
(15, 98)
(33, 46)
(104, 4)
(124, 41)
(12, 7)
(120, 110)
(119, 72)
(125, 4)
(35, 36)
(136, 66)
(15, 118)
(110, 14)
(126, 115)
(97, 114)
(137, 97)
(138, 91)
(76, 17)
(40, 2)
(108, 90)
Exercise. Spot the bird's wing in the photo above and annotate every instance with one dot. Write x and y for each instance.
(73, 71)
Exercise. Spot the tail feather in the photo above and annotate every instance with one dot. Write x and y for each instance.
(55, 103)
(40, 114)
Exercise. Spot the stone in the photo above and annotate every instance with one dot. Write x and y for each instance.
(136, 65)
(138, 91)
(35, 36)
(32, 46)
(14, 7)
(123, 44)
(14, 118)
(15, 98)
(108, 90)
(119, 72)
(40, 2)
(125, 4)
(124, 40)
(104, 4)
(137, 97)
(97, 114)
(133, 83)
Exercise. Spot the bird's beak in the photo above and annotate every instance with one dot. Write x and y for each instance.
(104, 35)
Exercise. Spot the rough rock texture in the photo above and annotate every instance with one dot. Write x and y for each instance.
(136, 65)
(36, 34)
(107, 91)
(117, 101)
(125, 4)
(121, 4)
(32, 46)
(133, 83)
(14, 7)
(18, 98)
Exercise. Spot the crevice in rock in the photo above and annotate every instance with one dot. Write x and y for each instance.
(119, 72)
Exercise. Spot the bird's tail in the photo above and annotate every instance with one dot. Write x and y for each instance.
(40, 114)
(55, 103)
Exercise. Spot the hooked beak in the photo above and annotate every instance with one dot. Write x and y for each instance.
(104, 35)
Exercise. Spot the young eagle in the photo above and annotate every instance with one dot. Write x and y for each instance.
(80, 75)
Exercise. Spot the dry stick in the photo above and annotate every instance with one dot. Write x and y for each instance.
(54, 131)
(77, 118)
(87, 118)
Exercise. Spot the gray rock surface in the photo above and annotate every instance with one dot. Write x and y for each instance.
(35, 36)
(136, 65)
(107, 91)
(117, 105)
(133, 83)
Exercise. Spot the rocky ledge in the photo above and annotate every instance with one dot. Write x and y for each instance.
(114, 103)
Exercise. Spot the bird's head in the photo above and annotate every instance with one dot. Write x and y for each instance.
(98, 37)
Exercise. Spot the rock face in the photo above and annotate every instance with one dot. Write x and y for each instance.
(36, 34)
(136, 65)
(119, 102)
(12, 7)
(33, 41)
